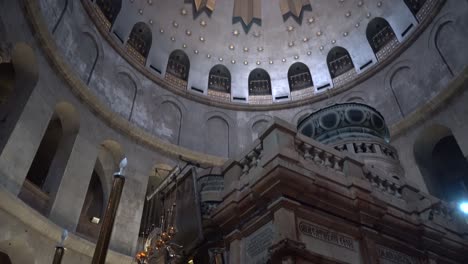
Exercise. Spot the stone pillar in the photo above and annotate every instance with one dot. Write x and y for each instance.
(66, 208)
(19, 151)
(285, 224)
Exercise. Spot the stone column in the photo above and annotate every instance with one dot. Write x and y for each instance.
(66, 208)
(285, 224)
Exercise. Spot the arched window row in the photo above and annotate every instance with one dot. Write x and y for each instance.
(380, 36)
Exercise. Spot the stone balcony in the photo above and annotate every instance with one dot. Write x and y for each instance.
(286, 179)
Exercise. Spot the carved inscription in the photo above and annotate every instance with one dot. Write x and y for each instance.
(395, 256)
(326, 235)
(258, 244)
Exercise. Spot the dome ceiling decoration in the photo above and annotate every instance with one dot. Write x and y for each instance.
(338, 41)
(201, 5)
(248, 11)
(294, 7)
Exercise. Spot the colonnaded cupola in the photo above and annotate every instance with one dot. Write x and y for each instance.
(252, 52)
(233, 131)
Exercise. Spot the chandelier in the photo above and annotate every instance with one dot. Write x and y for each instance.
(160, 240)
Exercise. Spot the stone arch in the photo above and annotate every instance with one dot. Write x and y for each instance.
(258, 124)
(169, 119)
(299, 77)
(403, 85)
(83, 56)
(110, 9)
(259, 82)
(50, 161)
(4, 258)
(125, 97)
(298, 117)
(447, 38)
(339, 62)
(441, 163)
(140, 40)
(17, 250)
(354, 97)
(23, 72)
(217, 136)
(107, 163)
(220, 79)
(60, 18)
(379, 33)
(178, 65)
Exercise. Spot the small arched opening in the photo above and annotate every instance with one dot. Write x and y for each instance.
(178, 65)
(140, 40)
(219, 83)
(339, 62)
(380, 35)
(299, 77)
(259, 82)
(51, 159)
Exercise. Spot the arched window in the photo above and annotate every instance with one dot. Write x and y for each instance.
(92, 211)
(415, 5)
(339, 62)
(299, 77)
(379, 33)
(220, 79)
(178, 65)
(259, 82)
(47, 168)
(110, 9)
(442, 164)
(4, 258)
(140, 41)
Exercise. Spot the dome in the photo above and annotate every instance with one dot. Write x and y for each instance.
(336, 44)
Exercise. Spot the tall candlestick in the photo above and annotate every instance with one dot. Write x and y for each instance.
(102, 245)
(59, 251)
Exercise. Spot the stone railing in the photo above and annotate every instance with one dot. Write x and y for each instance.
(384, 185)
(320, 156)
(368, 147)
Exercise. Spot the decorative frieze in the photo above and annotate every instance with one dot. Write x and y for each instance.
(390, 256)
(326, 235)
